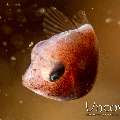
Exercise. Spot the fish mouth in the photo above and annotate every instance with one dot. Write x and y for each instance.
(26, 78)
(25, 82)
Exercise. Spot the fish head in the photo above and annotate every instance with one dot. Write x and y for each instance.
(64, 66)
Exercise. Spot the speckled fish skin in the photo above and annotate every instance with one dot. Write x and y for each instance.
(77, 49)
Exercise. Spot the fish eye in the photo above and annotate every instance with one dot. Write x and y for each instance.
(57, 72)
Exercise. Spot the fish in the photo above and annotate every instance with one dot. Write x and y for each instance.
(64, 66)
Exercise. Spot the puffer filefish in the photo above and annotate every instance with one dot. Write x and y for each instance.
(64, 66)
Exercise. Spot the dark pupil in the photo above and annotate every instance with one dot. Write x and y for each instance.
(57, 72)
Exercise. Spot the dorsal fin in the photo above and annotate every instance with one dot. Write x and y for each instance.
(55, 21)
(79, 18)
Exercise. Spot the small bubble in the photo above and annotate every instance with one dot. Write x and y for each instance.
(4, 43)
(92, 8)
(31, 44)
(13, 58)
(0, 17)
(108, 20)
(21, 101)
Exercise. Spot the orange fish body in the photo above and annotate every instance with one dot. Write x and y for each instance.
(64, 66)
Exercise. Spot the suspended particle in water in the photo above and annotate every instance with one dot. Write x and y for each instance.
(6, 50)
(35, 5)
(20, 101)
(0, 17)
(118, 22)
(4, 43)
(40, 11)
(6, 94)
(13, 58)
(19, 10)
(7, 4)
(31, 44)
(17, 4)
(108, 20)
